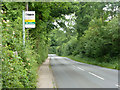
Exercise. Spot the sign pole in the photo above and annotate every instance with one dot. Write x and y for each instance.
(23, 28)
(27, 6)
(27, 30)
(28, 18)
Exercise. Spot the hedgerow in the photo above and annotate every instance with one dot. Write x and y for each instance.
(19, 63)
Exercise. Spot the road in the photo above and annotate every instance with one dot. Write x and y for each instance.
(73, 74)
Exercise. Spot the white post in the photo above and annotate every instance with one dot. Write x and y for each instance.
(23, 28)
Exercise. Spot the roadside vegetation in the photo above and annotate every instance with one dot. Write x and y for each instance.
(82, 31)
(93, 37)
(19, 62)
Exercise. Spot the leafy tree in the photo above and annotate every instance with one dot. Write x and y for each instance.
(95, 33)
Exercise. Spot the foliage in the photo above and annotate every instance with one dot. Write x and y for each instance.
(67, 48)
(100, 41)
(90, 37)
(95, 36)
(20, 62)
(45, 17)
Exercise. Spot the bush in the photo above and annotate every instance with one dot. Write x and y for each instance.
(99, 42)
(52, 50)
(67, 48)
(58, 51)
(19, 63)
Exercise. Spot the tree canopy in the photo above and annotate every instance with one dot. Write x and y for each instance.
(84, 29)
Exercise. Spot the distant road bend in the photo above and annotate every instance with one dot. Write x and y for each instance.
(72, 74)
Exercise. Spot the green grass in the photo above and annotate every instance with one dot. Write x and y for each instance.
(112, 65)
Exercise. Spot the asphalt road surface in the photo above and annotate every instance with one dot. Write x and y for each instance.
(72, 74)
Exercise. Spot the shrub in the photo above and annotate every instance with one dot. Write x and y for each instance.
(19, 63)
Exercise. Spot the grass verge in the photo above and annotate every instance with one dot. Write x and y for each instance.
(94, 61)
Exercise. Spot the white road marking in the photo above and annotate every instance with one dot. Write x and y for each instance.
(80, 68)
(74, 66)
(117, 85)
(96, 75)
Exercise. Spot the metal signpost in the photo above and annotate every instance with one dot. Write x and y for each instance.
(23, 27)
